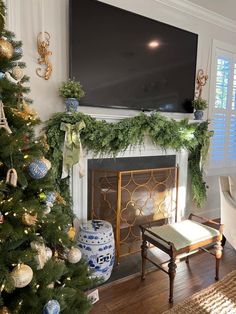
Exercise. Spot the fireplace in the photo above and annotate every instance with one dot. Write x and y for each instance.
(79, 186)
(125, 193)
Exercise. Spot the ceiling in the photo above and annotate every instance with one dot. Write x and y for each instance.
(226, 8)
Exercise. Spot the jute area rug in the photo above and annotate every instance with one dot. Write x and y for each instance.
(219, 298)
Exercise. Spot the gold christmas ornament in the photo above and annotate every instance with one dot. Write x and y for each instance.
(71, 233)
(47, 163)
(18, 73)
(4, 310)
(25, 111)
(11, 178)
(22, 275)
(74, 255)
(60, 199)
(29, 220)
(6, 49)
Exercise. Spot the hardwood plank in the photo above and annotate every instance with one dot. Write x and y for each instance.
(151, 295)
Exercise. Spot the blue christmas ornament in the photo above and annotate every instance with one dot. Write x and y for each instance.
(50, 198)
(52, 307)
(38, 168)
(19, 50)
(2, 75)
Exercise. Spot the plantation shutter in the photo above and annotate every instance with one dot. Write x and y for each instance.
(223, 116)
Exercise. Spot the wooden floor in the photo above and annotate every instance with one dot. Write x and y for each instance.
(151, 295)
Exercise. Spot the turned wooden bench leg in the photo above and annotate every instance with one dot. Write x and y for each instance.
(218, 254)
(172, 272)
(144, 248)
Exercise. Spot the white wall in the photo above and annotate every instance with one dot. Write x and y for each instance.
(26, 21)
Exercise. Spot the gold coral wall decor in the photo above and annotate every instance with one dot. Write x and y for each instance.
(201, 81)
(43, 42)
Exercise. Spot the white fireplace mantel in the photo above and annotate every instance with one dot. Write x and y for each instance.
(79, 186)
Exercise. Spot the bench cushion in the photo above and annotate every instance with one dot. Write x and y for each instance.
(182, 234)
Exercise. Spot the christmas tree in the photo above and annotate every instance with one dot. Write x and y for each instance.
(41, 269)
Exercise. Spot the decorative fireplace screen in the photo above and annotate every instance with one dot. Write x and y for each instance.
(129, 198)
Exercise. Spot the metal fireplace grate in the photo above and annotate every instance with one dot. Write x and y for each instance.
(129, 198)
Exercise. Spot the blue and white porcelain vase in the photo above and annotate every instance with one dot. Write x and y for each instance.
(96, 242)
(72, 105)
(198, 115)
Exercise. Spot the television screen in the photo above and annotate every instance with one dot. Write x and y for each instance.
(125, 60)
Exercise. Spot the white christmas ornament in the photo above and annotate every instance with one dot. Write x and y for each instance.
(18, 73)
(48, 252)
(41, 256)
(22, 275)
(47, 210)
(3, 119)
(74, 255)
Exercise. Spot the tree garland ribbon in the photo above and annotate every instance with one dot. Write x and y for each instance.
(72, 150)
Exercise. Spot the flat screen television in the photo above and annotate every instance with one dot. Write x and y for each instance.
(125, 60)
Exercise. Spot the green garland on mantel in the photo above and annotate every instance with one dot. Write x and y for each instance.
(103, 138)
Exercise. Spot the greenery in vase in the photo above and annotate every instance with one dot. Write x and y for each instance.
(71, 89)
(199, 104)
(57, 278)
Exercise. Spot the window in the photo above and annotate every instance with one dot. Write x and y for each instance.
(223, 104)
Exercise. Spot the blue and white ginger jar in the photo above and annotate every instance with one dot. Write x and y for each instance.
(96, 242)
(72, 105)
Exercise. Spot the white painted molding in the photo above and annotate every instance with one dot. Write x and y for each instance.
(118, 117)
(200, 13)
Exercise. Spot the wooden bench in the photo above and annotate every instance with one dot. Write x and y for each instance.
(179, 240)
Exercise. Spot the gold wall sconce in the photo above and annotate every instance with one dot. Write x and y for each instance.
(200, 82)
(43, 42)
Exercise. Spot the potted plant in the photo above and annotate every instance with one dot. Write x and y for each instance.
(71, 91)
(199, 105)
